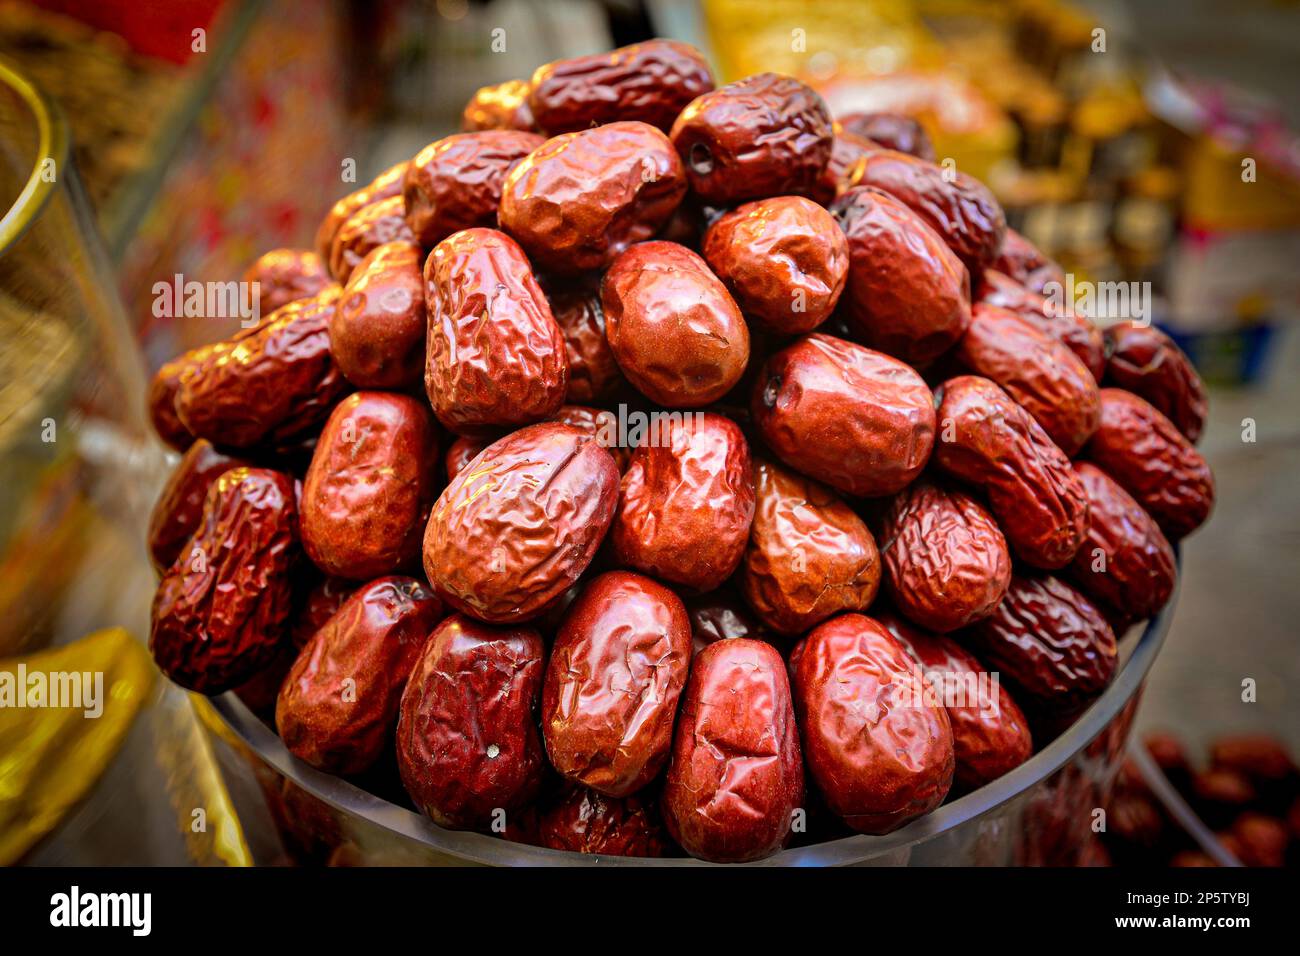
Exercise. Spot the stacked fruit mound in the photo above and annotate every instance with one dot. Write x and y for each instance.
(713, 375)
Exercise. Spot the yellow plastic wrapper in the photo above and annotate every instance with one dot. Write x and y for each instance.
(50, 756)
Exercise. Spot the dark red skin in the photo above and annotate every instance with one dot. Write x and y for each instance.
(580, 199)
(511, 535)
(179, 509)
(991, 443)
(1022, 261)
(892, 131)
(455, 183)
(990, 738)
(672, 326)
(650, 82)
(1150, 364)
(736, 777)
(384, 186)
(1049, 642)
(373, 641)
(1261, 840)
(766, 135)
(498, 106)
(879, 748)
(1262, 758)
(462, 452)
(784, 260)
(377, 331)
(946, 561)
(287, 275)
(271, 385)
(908, 294)
(370, 486)
(1126, 563)
(594, 374)
(467, 740)
(584, 821)
(855, 419)
(962, 211)
(615, 673)
(161, 399)
(809, 555)
(496, 359)
(841, 169)
(322, 601)
(1076, 331)
(1038, 371)
(1150, 459)
(222, 608)
(720, 616)
(370, 226)
(687, 503)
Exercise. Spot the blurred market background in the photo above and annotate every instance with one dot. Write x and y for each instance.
(1117, 135)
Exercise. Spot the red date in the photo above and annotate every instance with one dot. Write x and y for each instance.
(856, 419)
(377, 332)
(1150, 364)
(735, 778)
(179, 509)
(766, 135)
(616, 670)
(512, 534)
(467, 743)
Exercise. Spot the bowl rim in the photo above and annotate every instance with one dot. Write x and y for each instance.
(52, 144)
(471, 847)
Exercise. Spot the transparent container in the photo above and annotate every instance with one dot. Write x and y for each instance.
(113, 782)
(1038, 814)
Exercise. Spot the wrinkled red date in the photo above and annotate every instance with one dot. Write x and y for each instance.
(1038, 371)
(784, 259)
(584, 821)
(370, 485)
(498, 106)
(495, 357)
(1022, 261)
(687, 502)
(370, 226)
(946, 561)
(594, 374)
(876, 743)
(385, 185)
(1150, 459)
(1050, 642)
(892, 131)
(855, 419)
(377, 331)
(223, 606)
(991, 443)
(511, 535)
(580, 199)
(337, 709)
(455, 183)
(616, 670)
(179, 509)
(990, 735)
(1073, 329)
(960, 208)
(675, 331)
(650, 82)
(287, 275)
(467, 740)
(809, 556)
(1126, 562)
(735, 778)
(766, 135)
(271, 384)
(908, 293)
(1150, 364)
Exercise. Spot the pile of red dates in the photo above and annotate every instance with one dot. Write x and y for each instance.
(653, 466)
